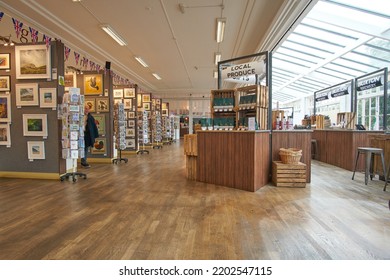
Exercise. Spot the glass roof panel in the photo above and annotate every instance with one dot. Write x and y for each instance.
(301, 39)
(376, 52)
(342, 69)
(306, 49)
(294, 60)
(299, 54)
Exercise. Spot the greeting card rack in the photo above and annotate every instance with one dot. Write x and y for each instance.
(119, 131)
(73, 123)
(157, 130)
(167, 130)
(143, 128)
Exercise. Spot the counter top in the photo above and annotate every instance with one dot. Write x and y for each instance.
(233, 131)
(293, 130)
(349, 130)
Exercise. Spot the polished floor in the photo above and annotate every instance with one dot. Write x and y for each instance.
(146, 209)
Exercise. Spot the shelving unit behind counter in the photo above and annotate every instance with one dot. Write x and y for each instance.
(222, 109)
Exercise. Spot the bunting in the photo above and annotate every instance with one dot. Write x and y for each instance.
(34, 35)
(84, 62)
(66, 52)
(18, 27)
(47, 40)
(76, 57)
(91, 65)
(1, 15)
(98, 67)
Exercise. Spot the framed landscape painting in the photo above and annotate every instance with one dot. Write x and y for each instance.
(5, 61)
(5, 134)
(35, 125)
(26, 94)
(36, 150)
(32, 62)
(5, 108)
(48, 97)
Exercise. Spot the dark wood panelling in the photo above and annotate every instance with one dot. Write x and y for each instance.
(293, 139)
(233, 159)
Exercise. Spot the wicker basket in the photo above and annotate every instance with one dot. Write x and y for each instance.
(290, 155)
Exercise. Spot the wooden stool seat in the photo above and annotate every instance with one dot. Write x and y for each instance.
(370, 153)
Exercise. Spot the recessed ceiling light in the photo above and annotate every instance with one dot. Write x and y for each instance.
(114, 35)
(141, 61)
(156, 76)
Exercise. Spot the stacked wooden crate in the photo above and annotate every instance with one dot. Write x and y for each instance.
(289, 175)
(191, 152)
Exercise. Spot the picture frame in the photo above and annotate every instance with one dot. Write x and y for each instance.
(33, 62)
(5, 108)
(130, 143)
(146, 106)
(128, 103)
(146, 97)
(99, 147)
(102, 105)
(35, 150)
(158, 101)
(70, 80)
(93, 84)
(118, 100)
(35, 125)
(5, 61)
(5, 134)
(90, 103)
(118, 93)
(26, 94)
(164, 112)
(131, 115)
(48, 97)
(5, 83)
(130, 132)
(129, 92)
(139, 100)
(100, 121)
(130, 123)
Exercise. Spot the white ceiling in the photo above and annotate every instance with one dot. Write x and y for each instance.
(178, 46)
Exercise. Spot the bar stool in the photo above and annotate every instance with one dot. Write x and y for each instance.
(370, 153)
(314, 149)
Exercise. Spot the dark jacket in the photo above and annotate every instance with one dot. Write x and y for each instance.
(91, 131)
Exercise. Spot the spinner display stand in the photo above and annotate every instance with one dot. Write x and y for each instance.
(73, 123)
(143, 128)
(157, 130)
(167, 130)
(120, 131)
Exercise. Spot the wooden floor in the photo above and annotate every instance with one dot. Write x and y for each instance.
(146, 209)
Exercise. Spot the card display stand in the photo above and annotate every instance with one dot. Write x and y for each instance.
(157, 130)
(73, 123)
(143, 128)
(119, 131)
(167, 130)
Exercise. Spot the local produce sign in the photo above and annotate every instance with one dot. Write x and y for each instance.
(245, 69)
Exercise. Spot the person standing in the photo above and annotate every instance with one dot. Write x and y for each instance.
(90, 134)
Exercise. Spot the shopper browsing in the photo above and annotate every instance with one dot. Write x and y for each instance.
(90, 134)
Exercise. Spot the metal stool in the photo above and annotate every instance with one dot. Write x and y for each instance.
(370, 153)
(314, 149)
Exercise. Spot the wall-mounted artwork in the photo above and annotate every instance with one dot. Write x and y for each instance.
(131, 123)
(102, 105)
(130, 143)
(99, 147)
(5, 83)
(130, 132)
(139, 100)
(32, 62)
(90, 103)
(36, 150)
(5, 108)
(48, 97)
(5, 134)
(35, 125)
(130, 115)
(146, 97)
(100, 120)
(129, 93)
(26, 94)
(5, 61)
(93, 84)
(118, 93)
(146, 106)
(164, 112)
(128, 103)
(70, 80)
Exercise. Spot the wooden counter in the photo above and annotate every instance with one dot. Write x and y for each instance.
(300, 139)
(339, 147)
(382, 141)
(236, 159)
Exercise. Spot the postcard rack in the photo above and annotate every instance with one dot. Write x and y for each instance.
(120, 131)
(157, 130)
(143, 125)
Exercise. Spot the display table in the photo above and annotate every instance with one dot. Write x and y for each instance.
(236, 159)
(300, 139)
(339, 146)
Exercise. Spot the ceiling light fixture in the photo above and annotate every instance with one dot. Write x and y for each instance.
(156, 76)
(110, 31)
(7, 42)
(215, 74)
(221, 23)
(217, 57)
(141, 61)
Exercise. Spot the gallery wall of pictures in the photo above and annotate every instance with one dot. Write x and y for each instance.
(29, 92)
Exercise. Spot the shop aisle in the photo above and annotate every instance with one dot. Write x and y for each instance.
(146, 209)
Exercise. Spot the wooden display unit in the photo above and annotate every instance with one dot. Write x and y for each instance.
(289, 175)
(347, 119)
(222, 109)
(252, 101)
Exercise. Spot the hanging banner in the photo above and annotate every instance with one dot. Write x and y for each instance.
(34, 35)
(370, 83)
(243, 70)
(18, 26)
(341, 90)
(320, 96)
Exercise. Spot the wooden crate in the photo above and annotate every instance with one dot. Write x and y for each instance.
(190, 145)
(289, 175)
(191, 162)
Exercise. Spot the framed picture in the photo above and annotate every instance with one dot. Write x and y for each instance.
(5, 108)
(35, 125)
(36, 149)
(5, 134)
(130, 143)
(164, 112)
(5, 61)
(118, 100)
(100, 120)
(32, 62)
(48, 97)
(118, 93)
(158, 101)
(131, 115)
(128, 103)
(93, 84)
(90, 103)
(139, 100)
(131, 123)
(70, 80)
(5, 83)
(102, 105)
(26, 94)
(146, 97)
(130, 132)
(146, 106)
(99, 147)
(129, 93)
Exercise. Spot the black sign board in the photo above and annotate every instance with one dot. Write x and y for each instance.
(370, 83)
(320, 96)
